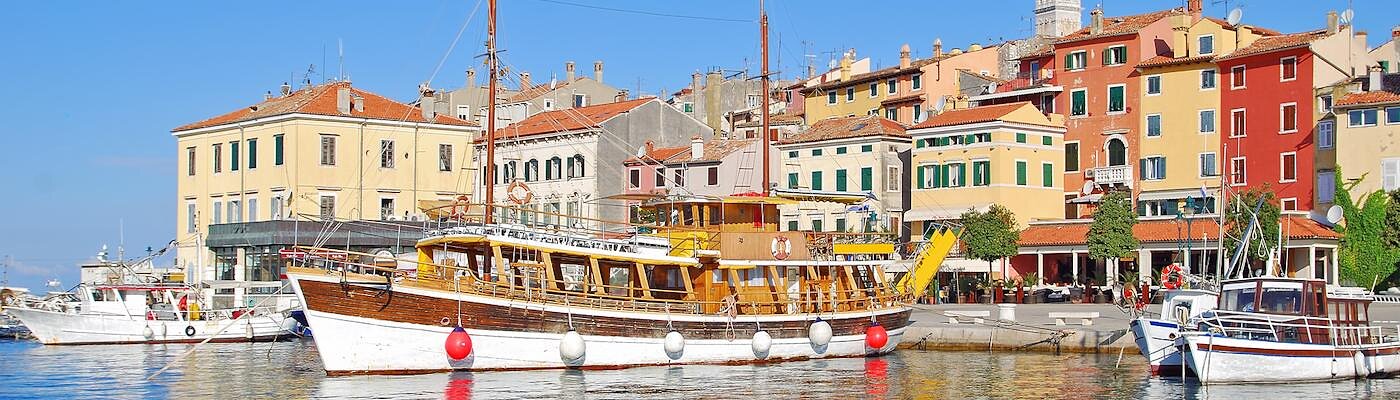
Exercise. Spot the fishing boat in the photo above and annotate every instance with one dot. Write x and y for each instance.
(1277, 330)
(1155, 335)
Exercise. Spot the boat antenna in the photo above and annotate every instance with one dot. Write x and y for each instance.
(767, 141)
(491, 62)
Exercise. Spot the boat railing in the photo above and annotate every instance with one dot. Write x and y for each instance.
(521, 284)
(1293, 328)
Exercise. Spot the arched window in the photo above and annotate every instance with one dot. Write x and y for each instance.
(510, 171)
(554, 168)
(576, 166)
(1117, 152)
(532, 170)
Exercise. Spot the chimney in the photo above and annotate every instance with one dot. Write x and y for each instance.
(286, 89)
(695, 81)
(1331, 22)
(904, 56)
(525, 81)
(342, 100)
(1375, 78)
(569, 71)
(621, 95)
(651, 146)
(937, 47)
(425, 102)
(1194, 8)
(697, 148)
(1181, 30)
(598, 71)
(846, 68)
(267, 96)
(359, 102)
(1096, 21)
(812, 69)
(471, 77)
(1395, 32)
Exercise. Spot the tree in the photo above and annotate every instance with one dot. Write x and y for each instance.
(990, 235)
(1238, 216)
(1111, 234)
(1368, 250)
(1392, 220)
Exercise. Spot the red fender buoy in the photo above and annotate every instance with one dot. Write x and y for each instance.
(876, 337)
(459, 344)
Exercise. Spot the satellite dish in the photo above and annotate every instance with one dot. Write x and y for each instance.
(940, 104)
(1334, 214)
(641, 151)
(1234, 18)
(1088, 188)
(1346, 17)
(992, 87)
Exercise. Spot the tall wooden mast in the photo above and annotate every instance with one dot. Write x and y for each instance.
(767, 141)
(490, 111)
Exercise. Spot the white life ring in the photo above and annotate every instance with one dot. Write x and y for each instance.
(781, 247)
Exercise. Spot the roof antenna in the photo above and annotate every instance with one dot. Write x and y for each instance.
(340, 50)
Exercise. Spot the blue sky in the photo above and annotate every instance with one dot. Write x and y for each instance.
(93, 88)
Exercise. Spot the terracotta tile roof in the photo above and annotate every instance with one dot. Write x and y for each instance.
(972, 115)
(321, 100)
(657, 155)
(848, 127)
(1045, 50)
(1275, 43)
(1391, 94)
(914, 67)
(903, 99)
(715, 150)
(777, 119)
(1163, 61)
(569, 120)
(1259, 30)
(1114, 26)
(537, 91)
(1074, 233)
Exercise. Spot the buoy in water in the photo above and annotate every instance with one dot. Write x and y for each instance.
(876, 337)
(762, 342)
(675, 344)
(147, 332)
(459, 344)
(819, 332)
(571, 347)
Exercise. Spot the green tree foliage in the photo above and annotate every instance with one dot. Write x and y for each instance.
(1368, 253)
(990, 235)
(1392, 220)
(1237, 218)
(1111, 234)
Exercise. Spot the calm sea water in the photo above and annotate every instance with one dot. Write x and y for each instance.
(292, 370)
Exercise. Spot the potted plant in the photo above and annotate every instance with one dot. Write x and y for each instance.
(1020, 291)
(998, 291)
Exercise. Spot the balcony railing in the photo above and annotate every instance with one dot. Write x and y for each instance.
(1113, 175)
(1025, 80)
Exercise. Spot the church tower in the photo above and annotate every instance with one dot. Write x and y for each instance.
(1055, 18)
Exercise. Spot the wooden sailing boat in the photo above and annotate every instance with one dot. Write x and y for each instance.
(719, 285)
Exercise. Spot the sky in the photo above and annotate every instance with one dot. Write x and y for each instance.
(92, 89)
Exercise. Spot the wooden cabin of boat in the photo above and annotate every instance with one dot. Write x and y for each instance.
(1303, 308)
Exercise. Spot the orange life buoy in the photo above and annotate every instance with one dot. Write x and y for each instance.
(1173, 277)
(518, 193)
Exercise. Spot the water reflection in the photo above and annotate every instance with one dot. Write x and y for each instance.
(292, 370)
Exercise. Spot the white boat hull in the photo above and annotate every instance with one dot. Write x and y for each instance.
(1156, 340)
(59, 328)
(1216, 359)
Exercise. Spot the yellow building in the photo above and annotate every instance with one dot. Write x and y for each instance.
(905, 93)
(1180, 107)
(971, 158)
(1367, 137)
(848, 174)
(327, 150)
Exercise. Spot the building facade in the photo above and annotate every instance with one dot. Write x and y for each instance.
(1367, 136)
(850, 173)
(905, 93)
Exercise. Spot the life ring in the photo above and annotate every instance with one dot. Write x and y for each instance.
(459, 207)
(518, 193)
(781, 247)
(189, 330)
(1173, 277)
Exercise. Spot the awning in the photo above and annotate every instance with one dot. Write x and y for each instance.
(633, 197)
(1092, 198)
(757, 200)
(943, 213)
(1174, 194)
(820, 195)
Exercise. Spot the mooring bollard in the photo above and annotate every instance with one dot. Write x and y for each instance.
(1006, 312)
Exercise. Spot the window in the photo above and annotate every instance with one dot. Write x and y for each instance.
(1207, 121)
(464, 112)
(233, 156)
(955, 174)
(792, 226)
(1153, 168)
(1154, 125)
(678, 178)
(444, 157)
(218, 212)
(816, 224)
(554, 168)
(532, 170)
(916, 82)
(1288, 68)
(918, 112)
(792, 180)
(891, 86)
(928, 176)
(1326, 134)
(576, 166)
(1208, 168)
(634, 178)
(1288, 204)
(190, 212)
(1392, 115)
(1205, 44)
(840, 224)
(1047, 140)
(981, 173)
(189, 161)
(277, 149)
(660, 177)
(830, 98)
(275, 209)
(327, 207)
(1326, 186)
(235, 211)
(874, 89)
(327, 150)
(1385, 65)
(751, 100)
(580, 100)
(1390, 174)
(1237, 128)
(1365, 117)
(873, 111)
(1288, 117)
(1237, 77)
(865, 148)
(386, 208)
(1237, 171)
(688, 107)
(1047, 103)
(792, 154)
(252, 153)
(840, 180)
(1324, 103)
(1288, 167)
(841, 150)
(1154, 85)
(386, 154)
(252, 209)
(1020, 137)
(1116, 55)
(1020, 173)
(850, 94)
(713, 178)
(1072, 157)
(1116, 103)
(893, 179)
(816, 180)
(867, 179)
(892, 113)
(1078, 103)
(1208, 79)
(1047, 174)
(816, 152)
(1076, 60)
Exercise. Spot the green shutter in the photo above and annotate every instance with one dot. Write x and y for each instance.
(1021, 173)
(1020, 137)
(840, 180)
(816, 180)
(868, 148)
(840, 224)
(792, 180)
(867, 177)
(233, 156)
(1047, 140)
(969, 138)
(252, 153)
(1068, 57)
(917, 143)
(962, 174)
(1047, 177)
(277, 149)
(920, 182)
(841, 150)
(943, 174)
(792, 225)
(1142, 168)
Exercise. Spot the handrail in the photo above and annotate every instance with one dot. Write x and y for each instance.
(1245, 322)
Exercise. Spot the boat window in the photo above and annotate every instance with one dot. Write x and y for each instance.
(621, 279)
(1282, 300)
(758, 276)
(1241, 299)
(99, 295)
(572, 275)
(1319, 305)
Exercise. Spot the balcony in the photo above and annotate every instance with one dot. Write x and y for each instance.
(1020, 85)
(1112, 175)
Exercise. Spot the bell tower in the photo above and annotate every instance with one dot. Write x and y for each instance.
(1055, 18)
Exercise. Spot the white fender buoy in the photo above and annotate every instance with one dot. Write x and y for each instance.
(1362, 370)
(248, 333)
(819, 332)
(164, 330)
(675, 344)
(147, 332)
(761, 343)
(571, 347)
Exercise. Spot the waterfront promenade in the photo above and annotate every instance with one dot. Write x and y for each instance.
(1034, 330)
